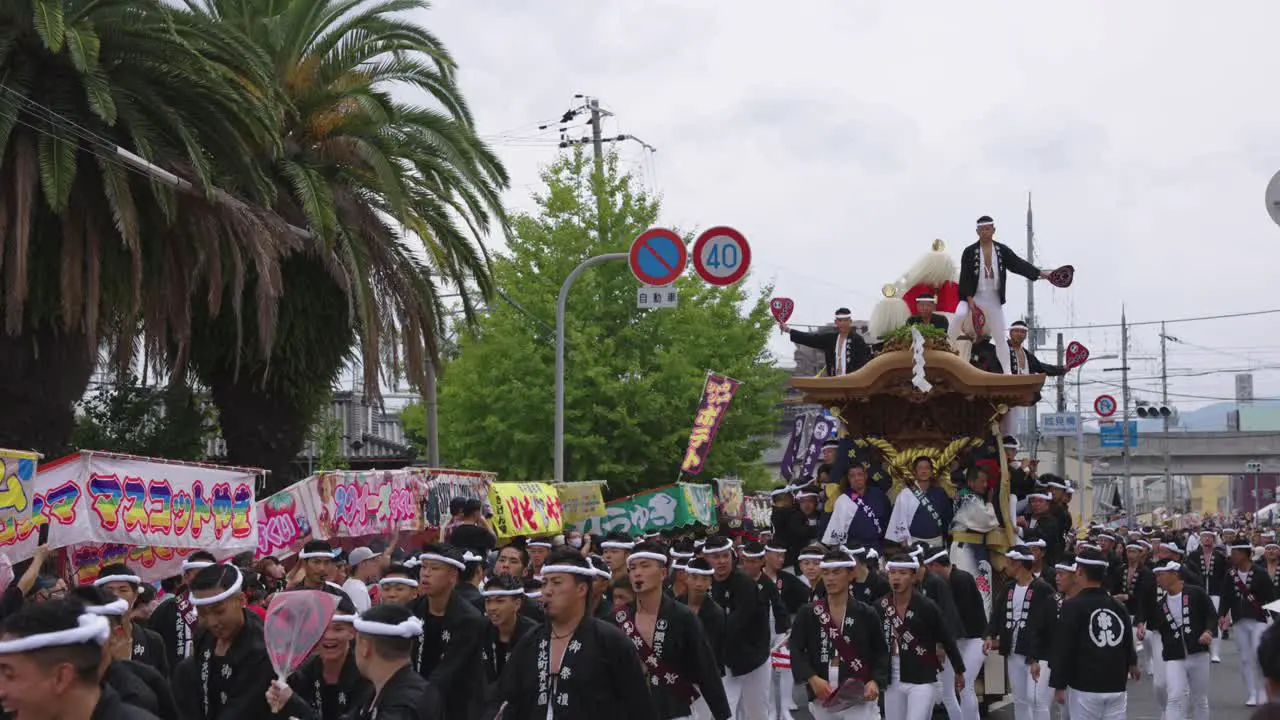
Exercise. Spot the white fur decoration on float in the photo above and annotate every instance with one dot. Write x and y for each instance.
(917, 362)
(936, 269)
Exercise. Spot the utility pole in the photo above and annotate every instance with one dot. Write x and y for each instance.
(1164, 400)
(433, 417)
(597, 137)
(591, 105)
(1061, 451)
(1129, 509)
(1033, 419)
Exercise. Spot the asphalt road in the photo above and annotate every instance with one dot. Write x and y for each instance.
(1226, 695)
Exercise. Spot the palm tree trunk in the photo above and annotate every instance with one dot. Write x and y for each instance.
(263, 427)
(43, 373)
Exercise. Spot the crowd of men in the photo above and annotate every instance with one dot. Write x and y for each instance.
(659, 628)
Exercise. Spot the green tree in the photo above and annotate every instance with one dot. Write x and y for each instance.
(328, 439)
(95, 253)
(634, 377)
(169, 422)
(399, 197)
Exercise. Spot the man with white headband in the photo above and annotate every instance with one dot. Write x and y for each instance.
(503, 596)
(175, 617)
(710, 615)
(984, 268)
(1093, 647)
(973, 625)
(448, 654)
(144, 646)
(384, 645)
(398, 586)
(747, 632)
(669, 639)
(914, 629)
(1210, 562)
(50, 659)
(1247, 590)
(574, 667)
(1187, 621)
(328, 685)
(843, 350)
(922, 512)
(1016, 615)
(139, 685)
(1064, 575)
(614, 548)
(600, 604)
(229, 671)
(316, 566)
(837, 647)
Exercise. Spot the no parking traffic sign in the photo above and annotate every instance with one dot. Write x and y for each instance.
(721, 256)
(658, 256)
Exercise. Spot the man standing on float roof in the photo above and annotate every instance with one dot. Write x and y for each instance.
(984, 268)
(844, 350)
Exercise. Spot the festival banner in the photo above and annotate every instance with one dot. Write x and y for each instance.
(667, 508)
(729, 491)
(283, 525)
(788, 466)
(17, 500)
(824, 428)
(353, 504)
(717, 392)
(152, 564)
(758, 511)
(443, 485)
(525, 509)
(97, 497)
(580, 501)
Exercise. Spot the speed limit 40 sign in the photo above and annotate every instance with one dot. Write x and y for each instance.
(721, 256)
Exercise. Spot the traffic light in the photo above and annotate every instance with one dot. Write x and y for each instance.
(1154, 412)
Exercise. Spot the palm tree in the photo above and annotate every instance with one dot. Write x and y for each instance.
(398, 196)
(91, 250)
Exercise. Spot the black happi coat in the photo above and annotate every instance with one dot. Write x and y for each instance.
(683, 651)
(1139, 591)
(315, 699)
(1213, 574)
(494, 659)
(792, 590)
(532, 610)
(605, 678)
(1181, 632)
(141, 686)
(112, 707)
(1044, 626)
(856, 351)
(968, 599)
(231, 687)
(471, 594)
(812, 649)
(1093, 644)
(868, 591)
(712, 618)
(451, 659)
(1245, 603)
(971, 266)
(939, 591)
(781, 619)
(1001, 625)
(924, 629)
(1049, 527)
(746, 638)
(406, 696)
(792, 530)
(149, 649)
(174, 620)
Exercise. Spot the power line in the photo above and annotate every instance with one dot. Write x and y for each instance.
(1225, 316)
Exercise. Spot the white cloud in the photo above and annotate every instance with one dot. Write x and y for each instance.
(843, 137)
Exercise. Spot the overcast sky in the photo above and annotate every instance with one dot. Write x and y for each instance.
(843, 137)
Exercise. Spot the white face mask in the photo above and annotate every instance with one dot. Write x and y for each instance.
(575, 542)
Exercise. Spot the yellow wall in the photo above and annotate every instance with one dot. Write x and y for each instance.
(1208, 493)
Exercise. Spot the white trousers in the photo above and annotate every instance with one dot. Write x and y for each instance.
(1031, 699)
(1097, 706)
(1247, 634)
(965, 707)
(865, 711)
(1187, 687)
(1215, 645)
(1154, 648)
(906, 701)
(996, 327)
(749, 694)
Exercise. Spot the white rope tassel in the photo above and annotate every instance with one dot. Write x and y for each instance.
(917, 370)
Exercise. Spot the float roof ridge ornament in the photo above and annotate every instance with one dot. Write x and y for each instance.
(885, 372)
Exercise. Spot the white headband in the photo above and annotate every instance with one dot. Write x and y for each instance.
(936, 556)
(189, 565)
(344, 618)
(224, 595)
(1040, 496)
(533, 594)
(710, 550)
(1207, 532)
(502, 593)
(398, 581)
(570, 569)
(837, 564)
(131, 579)
(775, 549)
(1090, 561)
(988, 223)
(681, 555)
(409, 628)
(899, 565)
(871, 553)
(1014, 555)
(1065, 568)
(746, 554)
(1058, 485)
(470, 557)
(1242, 546)
(806, 494)
(844, 316)
(617, 545)
(412, 562)
(90, 629)
(699, 571)
(1038, 542)
(318, 554)
(115, 608)
(657, 557)
(1271, 545)
(435, 557)
(1172, 548)
(601, 573)
(1170, 567)
(810, 556)
(537, 543)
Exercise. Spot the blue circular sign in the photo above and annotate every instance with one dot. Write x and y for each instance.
(658, 256)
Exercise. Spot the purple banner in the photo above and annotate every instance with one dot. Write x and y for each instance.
(717, 392)
(824, 429)
(788, 469)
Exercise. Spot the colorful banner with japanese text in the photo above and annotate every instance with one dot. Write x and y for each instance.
(360, 504)
(716, 395)
(152, 564)
(758, 511)
(283, 525)
(17, 503)
(525, 509)
(730, 495)
(93, 497)
(668, 508)
(443, 485)
(580, 501)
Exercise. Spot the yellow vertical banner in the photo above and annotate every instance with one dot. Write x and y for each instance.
(525, 509)
(580, 502)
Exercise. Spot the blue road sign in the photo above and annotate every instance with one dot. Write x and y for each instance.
(658, 256)
(1112, 435)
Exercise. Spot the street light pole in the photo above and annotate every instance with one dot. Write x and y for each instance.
(1124, 417)
(561, 301)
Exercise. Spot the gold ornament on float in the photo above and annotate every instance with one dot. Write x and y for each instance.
(898, 461)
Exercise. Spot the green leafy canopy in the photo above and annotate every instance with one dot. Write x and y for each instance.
(633, 377)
